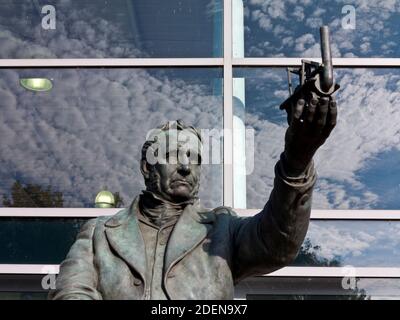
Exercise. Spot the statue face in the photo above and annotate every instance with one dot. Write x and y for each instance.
(178, 179)
(173, 164)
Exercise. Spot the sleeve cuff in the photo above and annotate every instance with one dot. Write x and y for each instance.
(307, 177)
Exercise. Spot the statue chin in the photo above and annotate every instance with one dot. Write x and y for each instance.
(174, 195)
(179, 195)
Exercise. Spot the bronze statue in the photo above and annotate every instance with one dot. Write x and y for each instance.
(166, 246)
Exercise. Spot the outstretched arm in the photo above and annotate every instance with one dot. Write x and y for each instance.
(272, 238)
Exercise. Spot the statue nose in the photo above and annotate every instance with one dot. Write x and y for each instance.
(184, 169)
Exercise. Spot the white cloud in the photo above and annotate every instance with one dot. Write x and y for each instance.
(276, 9)
(337, 242)
(365, 47)
(318, 12)
(357, 243)
(264, 22)
(314, 23)
(298, 13)
(305, 41)
(288, 41)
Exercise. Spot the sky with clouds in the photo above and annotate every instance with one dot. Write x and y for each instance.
(112, 29)
(356, 243)
(86, 133)
(83, 135)
(289, 28)
(357, 167)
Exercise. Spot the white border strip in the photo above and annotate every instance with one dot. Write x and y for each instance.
(97, 212)
(111, 62)
(57, 212)
(228, 107)
(29, 268)
(363, 272)
(340, 214)
(193, 62)
(337, 62)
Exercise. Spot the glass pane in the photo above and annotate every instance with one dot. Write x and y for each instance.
(358, 165)
(351, 243)
(37, 240)
(290, 288)
(110, 29)
(28, 287)
(291, 28)
(327, 243)
(61, 147)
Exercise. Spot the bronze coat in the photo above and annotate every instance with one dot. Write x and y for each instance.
(207, 252)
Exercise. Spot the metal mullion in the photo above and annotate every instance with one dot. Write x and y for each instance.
(228, 107)
(340, 214)
(57, 212)
(337, 62)
(111, 62)
(373, 215)
(363, 272)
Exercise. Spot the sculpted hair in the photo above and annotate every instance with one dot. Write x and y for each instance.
(170, 125)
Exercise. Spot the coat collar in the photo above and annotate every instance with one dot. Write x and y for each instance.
(192, 227)
(125, 237)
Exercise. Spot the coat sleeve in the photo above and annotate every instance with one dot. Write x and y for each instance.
(77, 279)
(272, 238)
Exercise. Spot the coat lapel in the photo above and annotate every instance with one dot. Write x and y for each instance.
(125, 237)
(191, 228)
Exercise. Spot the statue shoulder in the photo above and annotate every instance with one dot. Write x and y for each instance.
(224, 210)
(101, 221)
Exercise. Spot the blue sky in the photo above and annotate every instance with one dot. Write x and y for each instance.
(357, 243)
(358, 165)
(112, 29)
(86, 133)
(290, 28)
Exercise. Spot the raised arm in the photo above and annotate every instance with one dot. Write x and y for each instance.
(272, 238)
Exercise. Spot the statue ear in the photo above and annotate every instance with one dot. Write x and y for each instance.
(144, 169)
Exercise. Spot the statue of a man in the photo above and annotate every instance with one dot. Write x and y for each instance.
(165, 246)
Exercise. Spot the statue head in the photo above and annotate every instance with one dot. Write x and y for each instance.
(171, 161)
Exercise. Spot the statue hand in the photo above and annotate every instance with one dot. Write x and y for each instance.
(310, 124)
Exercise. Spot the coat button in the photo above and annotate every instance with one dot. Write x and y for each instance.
(163, 237)
(137, 282)
(304, 199)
